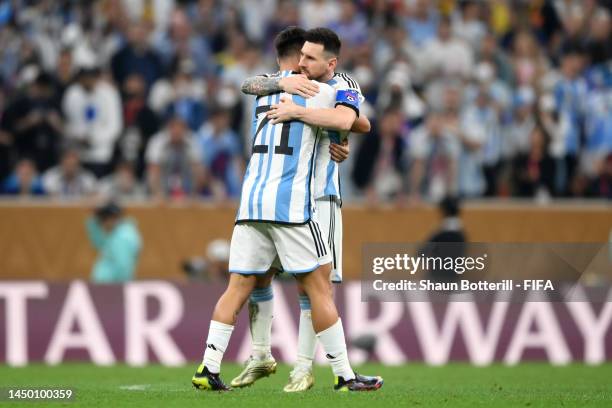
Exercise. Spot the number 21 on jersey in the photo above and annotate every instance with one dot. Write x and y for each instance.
(284, 147)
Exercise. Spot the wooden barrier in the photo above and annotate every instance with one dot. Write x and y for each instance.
(44, 241)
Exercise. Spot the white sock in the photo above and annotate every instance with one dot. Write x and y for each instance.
(307, 338)
(260, 316)
(334, 345)
(218, 338)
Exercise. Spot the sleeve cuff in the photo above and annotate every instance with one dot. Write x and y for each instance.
(353, 107)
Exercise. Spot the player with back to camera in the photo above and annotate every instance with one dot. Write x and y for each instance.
(318, 62)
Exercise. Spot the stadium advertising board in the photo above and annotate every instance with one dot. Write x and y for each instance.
(158, 321)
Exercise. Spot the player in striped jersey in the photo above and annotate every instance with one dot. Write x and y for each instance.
(277, 184)
(275, 224)
(318, 61)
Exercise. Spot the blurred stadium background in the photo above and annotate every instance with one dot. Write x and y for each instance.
(506, 104)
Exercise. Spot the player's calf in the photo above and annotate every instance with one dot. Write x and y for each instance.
(235, 296)
(220, 331)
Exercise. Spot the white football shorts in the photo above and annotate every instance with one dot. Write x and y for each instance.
(299, 249)
(329, 216)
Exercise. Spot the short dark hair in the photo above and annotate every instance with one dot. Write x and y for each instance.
(450, 206)
(326, 37)
(44, 80)
(108, 210)
(289, 41)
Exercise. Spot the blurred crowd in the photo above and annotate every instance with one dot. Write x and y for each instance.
(140, 99)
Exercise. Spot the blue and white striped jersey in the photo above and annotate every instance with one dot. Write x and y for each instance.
(279, 180)
(327, 177)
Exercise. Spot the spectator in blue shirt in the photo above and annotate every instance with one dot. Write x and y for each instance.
(24, 181)
(181, 41)
(422, 25)
(352, 27)
(118, 243)
(598, 123)
(183, 94)
(570, 96)
(221, 152)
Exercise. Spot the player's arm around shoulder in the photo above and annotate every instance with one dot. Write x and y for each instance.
(361, 125)
(262, 85)
(319, 111)
(349, 92)
(352, 98)
(340, 115)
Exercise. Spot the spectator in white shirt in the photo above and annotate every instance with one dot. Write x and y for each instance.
(481, 118)
(154, 12)
(93, 119)
(318, 13)
(447, 55)
(524, 121)
(467, 24)
(173, 162)
(122, 185)
(69, 179)
(434, 151)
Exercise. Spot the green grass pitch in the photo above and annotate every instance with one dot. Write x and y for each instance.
(412, 385)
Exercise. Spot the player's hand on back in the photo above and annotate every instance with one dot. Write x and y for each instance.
(299, 85)
(339, 152)
(284, 111)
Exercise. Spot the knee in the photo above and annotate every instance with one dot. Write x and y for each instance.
(242, 284)
(314, 284)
